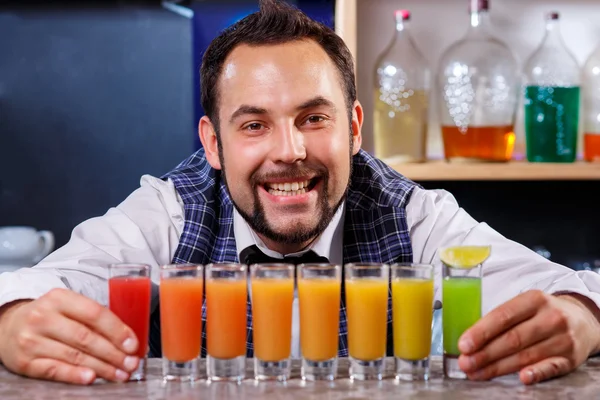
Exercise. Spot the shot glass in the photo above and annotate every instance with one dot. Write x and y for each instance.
(129, 289)
(461, 308)
(319, 292)
(412, 313)
(272, 297)
(181, 294)
(226, 306)
(367, 287)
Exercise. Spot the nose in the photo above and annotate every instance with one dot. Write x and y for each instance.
(289, 145)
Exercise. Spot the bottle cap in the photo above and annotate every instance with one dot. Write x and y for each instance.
(553, 15)
(479, 5)
(404, 14)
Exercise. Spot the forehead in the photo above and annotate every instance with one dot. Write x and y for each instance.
(279, 75)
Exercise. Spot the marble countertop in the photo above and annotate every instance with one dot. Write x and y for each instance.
(581, 384)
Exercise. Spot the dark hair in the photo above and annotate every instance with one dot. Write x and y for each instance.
(276, 22)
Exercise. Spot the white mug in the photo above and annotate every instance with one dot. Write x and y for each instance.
(24, 246)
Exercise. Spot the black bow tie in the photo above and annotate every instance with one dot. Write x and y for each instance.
(253, 255)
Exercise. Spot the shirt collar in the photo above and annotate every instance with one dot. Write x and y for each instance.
(326, 245)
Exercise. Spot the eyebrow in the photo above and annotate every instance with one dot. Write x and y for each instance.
(316, 102)
(245, 109)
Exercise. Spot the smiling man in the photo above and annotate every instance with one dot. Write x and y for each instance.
(282, 174)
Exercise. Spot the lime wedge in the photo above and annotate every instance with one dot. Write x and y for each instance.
(465, 256)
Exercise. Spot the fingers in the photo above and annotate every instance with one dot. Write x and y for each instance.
(501, 319)
(81, 344)
(45, 368)
(51, 349)
(547, 369)
(98, 318)
(555, 346)
(524, 335)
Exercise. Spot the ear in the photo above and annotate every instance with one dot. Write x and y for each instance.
(357, 122)
(208, 137)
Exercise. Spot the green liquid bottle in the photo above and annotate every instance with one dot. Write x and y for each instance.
(552, 99)
(551, 123)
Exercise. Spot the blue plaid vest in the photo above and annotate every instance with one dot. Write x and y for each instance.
(375, 227)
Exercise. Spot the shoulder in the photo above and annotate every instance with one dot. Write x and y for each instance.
(196, 181)
(374, 184)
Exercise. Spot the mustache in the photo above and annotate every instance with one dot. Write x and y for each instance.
(288, 173)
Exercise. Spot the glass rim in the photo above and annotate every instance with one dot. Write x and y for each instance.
(181, 267)
(411, 267)
(272, 266)
(125, 266)
(480, 265)
(231, 267)
(366, 265)
(319, 266)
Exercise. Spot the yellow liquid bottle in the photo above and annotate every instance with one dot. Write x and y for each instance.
(401, 98)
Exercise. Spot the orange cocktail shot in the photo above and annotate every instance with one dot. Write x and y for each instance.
(319, 292)
(181, 291)
(367, 311)
(272, 298)
(226, 306)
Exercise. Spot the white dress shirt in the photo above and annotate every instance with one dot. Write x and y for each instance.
(145, 228)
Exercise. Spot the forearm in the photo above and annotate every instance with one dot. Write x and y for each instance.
(145, 228)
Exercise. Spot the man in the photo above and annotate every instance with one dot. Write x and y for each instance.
(282, 170)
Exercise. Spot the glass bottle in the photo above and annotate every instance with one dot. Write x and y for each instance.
(551, 99)
(478, 82)
(402, 84)
(591, 106)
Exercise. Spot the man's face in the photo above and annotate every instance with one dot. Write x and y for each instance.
(286, 138)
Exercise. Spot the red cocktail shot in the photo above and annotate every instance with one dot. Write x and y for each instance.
(129, 289)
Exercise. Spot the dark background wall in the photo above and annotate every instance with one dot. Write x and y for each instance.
(562, 217)
(91, 98)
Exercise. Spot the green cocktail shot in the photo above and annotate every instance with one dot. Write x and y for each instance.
(461, 298)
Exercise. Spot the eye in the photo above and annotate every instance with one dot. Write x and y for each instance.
(254, 126)
(315, 119)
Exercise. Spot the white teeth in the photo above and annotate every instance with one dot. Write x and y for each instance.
(275, 192)
(288, 186)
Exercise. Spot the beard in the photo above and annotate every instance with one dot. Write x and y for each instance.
(257, 218)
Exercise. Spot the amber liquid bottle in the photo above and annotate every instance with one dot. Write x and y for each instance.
(478, 82)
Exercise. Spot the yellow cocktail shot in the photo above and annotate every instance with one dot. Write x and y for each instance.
(412, 311)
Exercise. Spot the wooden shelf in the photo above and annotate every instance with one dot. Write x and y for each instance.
(512, 171)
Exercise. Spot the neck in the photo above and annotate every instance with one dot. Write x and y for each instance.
(479, 22)
(400, 34)
(552, 37)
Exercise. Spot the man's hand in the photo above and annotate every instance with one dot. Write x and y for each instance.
(64, 336)
(540, 335)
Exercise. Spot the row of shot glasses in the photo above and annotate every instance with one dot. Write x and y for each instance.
(225, 289)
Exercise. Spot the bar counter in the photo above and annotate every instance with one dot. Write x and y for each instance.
(581, 384)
